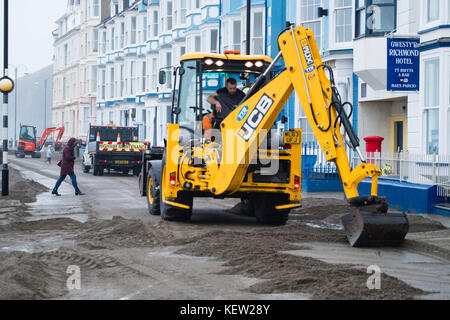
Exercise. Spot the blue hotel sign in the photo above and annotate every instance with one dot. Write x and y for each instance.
(403, 64)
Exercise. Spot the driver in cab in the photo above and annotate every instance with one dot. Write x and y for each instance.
(224, 101)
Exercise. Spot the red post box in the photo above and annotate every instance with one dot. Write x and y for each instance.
(373, 145)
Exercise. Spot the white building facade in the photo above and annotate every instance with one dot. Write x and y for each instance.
(75, 67)
(136, 41)
(140, 38)
(353, 37)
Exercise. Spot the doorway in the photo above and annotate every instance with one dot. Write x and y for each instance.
(398, 134)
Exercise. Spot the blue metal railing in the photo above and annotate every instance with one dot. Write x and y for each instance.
(315, 165)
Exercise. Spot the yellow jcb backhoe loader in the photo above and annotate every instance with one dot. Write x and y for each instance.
(243, 159)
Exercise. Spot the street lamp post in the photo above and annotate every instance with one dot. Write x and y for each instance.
(45, 104)
(249, 10)
(15, 110)
(6, 86)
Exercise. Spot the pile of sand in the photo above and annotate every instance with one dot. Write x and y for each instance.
(22, 189)
(25, 276)
(257, 254)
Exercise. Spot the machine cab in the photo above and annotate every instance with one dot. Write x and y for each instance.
(202, 74)
(28, 134)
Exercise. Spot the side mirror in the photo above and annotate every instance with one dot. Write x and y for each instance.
(182, 71)
(284, 119)
(176, 110)
(162, 77)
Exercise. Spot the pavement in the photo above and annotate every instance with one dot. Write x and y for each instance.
(187, 277)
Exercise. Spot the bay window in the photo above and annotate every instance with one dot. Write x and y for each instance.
(133, 30)
(183, 12)
(112, 39)
(309, 18)
(144, 28)
(111, 90)
(94, 78)
(258, 33)
(104, 42)
(154, 74)
(343, 20)
(432, 10)
(237, 35)
(431, 104)
(197, 44)
(132, 77)
(96, 8)
(155, 23)
(432, 131)
(144, 77)
(103, 86)
(214, 41)
(375, 17)
(95, 40)
(169, 72)
(122, 80)
(122, 35)
(169, 15)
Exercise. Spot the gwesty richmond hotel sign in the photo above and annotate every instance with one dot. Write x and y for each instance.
(403, 64)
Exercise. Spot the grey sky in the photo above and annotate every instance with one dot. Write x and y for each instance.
(30, 32)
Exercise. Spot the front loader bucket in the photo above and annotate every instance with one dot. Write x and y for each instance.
(372, 226)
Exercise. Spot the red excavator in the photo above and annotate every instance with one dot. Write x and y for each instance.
(28, 144)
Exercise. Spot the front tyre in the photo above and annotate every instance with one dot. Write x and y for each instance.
(173, 213)
(153, 194)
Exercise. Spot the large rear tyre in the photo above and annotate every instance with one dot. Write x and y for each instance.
(265, 211)
(153, 194)
(98, 170)
(172, 213)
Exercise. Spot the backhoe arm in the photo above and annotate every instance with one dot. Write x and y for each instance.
(320, 101)
(48, 132)
(371, 225)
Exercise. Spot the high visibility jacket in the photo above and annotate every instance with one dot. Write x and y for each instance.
(208, 121)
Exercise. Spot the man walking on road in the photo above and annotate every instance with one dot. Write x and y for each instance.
(67, 164)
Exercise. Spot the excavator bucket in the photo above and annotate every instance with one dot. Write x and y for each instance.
(372, 226)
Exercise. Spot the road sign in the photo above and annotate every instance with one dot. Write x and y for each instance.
(403, 64)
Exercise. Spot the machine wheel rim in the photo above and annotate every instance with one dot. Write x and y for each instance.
(149, 191)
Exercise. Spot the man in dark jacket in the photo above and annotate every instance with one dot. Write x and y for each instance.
(67, 163)
(225, 100)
